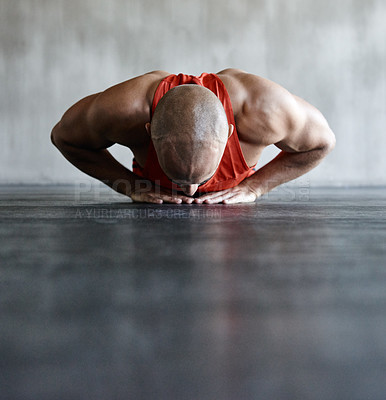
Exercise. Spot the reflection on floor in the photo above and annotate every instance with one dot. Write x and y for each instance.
(101, 298)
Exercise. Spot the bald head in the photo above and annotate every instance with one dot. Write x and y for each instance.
(189, 130)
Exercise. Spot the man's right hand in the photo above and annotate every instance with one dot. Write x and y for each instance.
(147, 192)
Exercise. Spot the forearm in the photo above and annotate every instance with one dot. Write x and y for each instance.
(284, 168)
(100, 164)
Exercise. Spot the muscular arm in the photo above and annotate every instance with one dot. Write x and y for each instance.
(303, 135)
(271, 115)
(95, 123)
(86, 148)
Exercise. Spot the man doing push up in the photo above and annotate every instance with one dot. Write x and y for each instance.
(194, 139)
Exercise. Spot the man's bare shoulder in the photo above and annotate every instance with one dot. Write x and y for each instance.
(263, 109)
(119, 113)
(249, 91)
(116, 115)
(129, 101)
(142, 86)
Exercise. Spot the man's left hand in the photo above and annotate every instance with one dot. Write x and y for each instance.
(242, 193)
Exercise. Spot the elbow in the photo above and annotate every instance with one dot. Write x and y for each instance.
(57, 136)
(54, 135)
(329, 141)
(326, 141)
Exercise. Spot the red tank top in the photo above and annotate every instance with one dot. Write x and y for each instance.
(232, 169)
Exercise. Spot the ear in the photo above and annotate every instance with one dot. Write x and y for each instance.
(231, 129)
(147, 126)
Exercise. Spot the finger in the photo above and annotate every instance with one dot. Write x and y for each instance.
(156, 198)
(154, 201)
(210, 200)
(168, 198)
(146, 199)
(159, 198)
(234, 199)
(210, 196)
(171, 199)
(184, 199)
(149, 198)
(219, 199)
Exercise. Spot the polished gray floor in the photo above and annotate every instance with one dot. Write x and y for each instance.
(104, 299)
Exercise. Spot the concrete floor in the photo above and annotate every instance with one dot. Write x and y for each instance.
(104, 299)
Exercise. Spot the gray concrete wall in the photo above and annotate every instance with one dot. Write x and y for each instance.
(54, 52)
